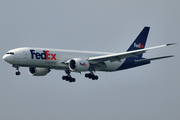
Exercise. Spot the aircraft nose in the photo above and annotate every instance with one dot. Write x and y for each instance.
(8, 58)
(4, 57)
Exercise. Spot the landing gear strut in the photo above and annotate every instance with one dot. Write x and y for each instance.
(91, 76)
(17, 68)
(68, 77)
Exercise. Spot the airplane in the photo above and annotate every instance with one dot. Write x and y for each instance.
(41, 60)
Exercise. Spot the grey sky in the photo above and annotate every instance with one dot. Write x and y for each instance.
(144, 93)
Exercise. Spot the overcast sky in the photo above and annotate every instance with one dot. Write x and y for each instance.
(149, 92)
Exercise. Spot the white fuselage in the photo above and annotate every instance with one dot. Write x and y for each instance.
(41, 60)
(54, 58)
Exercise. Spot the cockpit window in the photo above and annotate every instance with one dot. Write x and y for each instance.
(10, 53)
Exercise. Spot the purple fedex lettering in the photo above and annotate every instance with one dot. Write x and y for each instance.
(37, 55)
(45, 55)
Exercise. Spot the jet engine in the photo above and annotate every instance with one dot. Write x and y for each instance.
(38, 71)
(78, 64)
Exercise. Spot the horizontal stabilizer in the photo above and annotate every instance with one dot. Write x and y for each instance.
(156, 58)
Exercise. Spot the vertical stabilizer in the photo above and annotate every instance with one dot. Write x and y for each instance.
(140, 41)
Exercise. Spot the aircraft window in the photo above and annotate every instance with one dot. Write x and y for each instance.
(10, 53)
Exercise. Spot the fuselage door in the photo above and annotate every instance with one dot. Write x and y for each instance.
(25, 54)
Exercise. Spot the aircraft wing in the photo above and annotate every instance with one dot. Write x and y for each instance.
(119, 56)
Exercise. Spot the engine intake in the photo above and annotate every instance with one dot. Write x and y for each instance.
(78, 64)
(38, 71)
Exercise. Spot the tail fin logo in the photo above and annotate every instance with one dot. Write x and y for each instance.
(138, 45)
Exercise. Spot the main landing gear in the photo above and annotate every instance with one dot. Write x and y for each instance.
(68, 77)
(91, 76)
(17, 68)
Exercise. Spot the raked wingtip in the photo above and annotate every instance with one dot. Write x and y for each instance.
(170, 44)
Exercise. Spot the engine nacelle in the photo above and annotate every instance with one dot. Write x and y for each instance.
(78, 64)
(38, 71)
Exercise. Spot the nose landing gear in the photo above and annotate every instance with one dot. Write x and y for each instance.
(18, 73)
(17, 68)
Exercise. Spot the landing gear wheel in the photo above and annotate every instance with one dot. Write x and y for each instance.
(91, 76)
(18, 73)
(86, 75)
(68, 77)
(64, 77)
(17, 68)
(70, 80)
(96, 77)
(73, 79)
